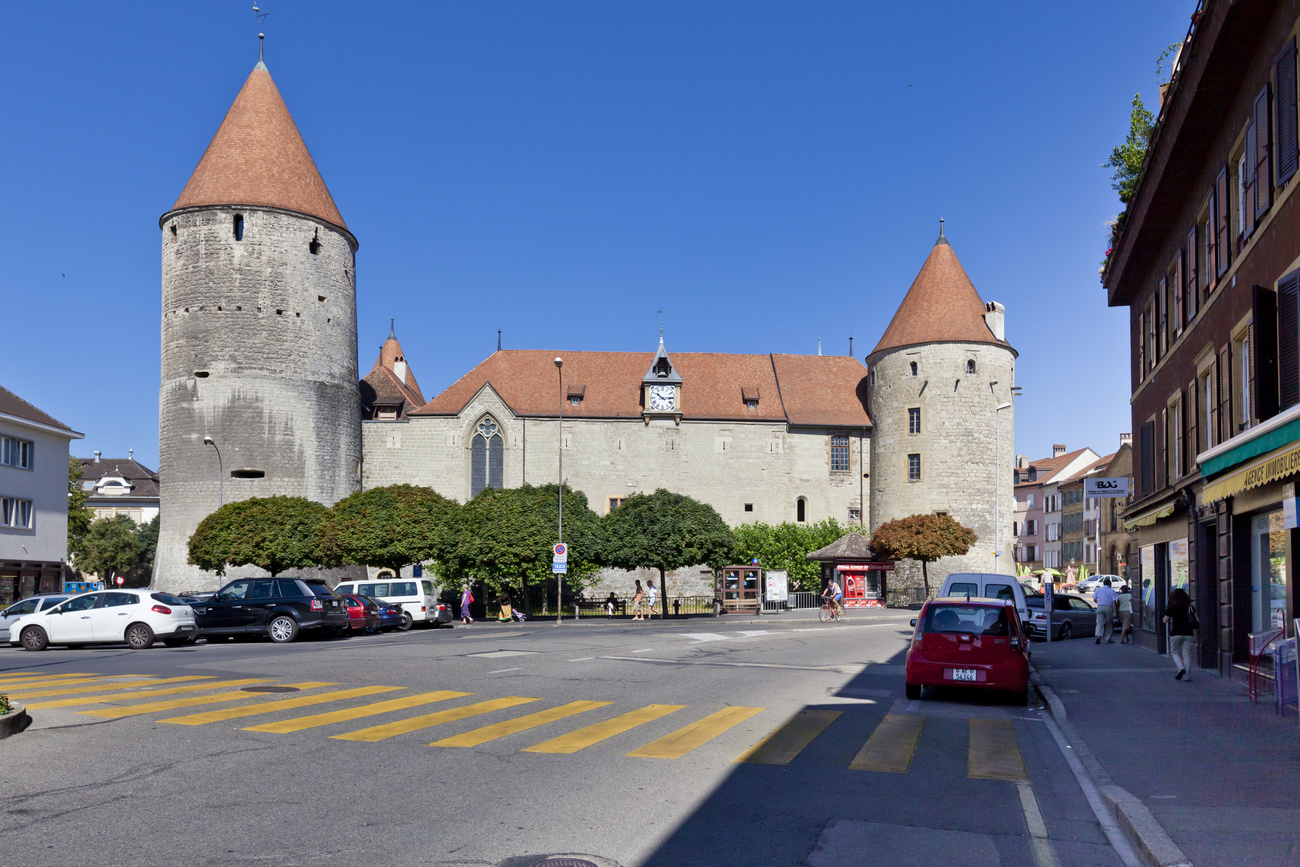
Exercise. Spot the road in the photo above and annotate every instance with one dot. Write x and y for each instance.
(777, 741)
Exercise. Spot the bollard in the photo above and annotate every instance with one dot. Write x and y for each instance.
(677, 607)
(575, 611)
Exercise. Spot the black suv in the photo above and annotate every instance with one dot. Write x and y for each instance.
(277, 607)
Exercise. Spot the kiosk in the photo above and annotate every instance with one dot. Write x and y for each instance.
(739, 590)
(862, 575)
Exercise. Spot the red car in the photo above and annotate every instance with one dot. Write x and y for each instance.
(363, 614)
(976, 642)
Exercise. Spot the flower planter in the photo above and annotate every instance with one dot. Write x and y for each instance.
(15, 721)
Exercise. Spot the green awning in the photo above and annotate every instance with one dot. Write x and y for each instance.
(1284, 435)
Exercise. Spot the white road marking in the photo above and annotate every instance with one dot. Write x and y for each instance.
(504, 670)
(705, 636)
(644, 650)
(582, 659)
(752, 633)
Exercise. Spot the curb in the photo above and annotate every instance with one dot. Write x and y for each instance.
(14, 722)
(1149, 839)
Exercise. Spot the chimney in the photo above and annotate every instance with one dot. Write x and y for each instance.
(995, 316)
(96, 455)
(1058, 449)
(1022, 462)
(1126, 439)
(130, 454)
(399, 369)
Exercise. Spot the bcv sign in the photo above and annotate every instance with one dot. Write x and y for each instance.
(1116, 487)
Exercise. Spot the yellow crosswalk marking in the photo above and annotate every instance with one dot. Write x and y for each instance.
(892, 745)
(146, 693)
(518, 724)
(153, 706)
(782, 745)
(401, 727)
(297, 724)
(594, 734)
(226, 713)
(107, 687)
(9, 677)
(682, 741)
(993, 753)
(35, 684)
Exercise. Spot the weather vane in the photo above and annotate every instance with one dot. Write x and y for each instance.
(661, 323)
(261, 37)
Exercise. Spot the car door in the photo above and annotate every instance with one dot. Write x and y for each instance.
(70, 623)
(1084, 616)
(109, 619)
(13, 612)
(218, 613)
(258, 605)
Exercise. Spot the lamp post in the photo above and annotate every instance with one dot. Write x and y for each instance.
(221, 498)
(997, 483)
(559, 576)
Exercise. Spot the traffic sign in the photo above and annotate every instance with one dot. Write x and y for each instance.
(559, 568)
(121, 579)
(561, 553)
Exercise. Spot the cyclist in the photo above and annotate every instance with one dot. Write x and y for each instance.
(834, 593)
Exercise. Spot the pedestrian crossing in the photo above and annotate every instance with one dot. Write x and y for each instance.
(993, 752)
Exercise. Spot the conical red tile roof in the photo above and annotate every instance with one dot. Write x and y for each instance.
(941, 306)
(258, 157)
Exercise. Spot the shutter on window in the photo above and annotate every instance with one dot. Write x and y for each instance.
(1249, 181)
(1224, 395)
(1166, 447)
(1211, 277)
(1212, 398)
(1263, 348)
(1148, 446)
(1189, 274)
(1162, 319)
(1221, 256)
(1263, 172)
(1176, 290)
(1284, 79)
(1190, 426)
(1288, 341)
(1142, 345)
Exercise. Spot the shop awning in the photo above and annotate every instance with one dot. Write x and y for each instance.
(1275, 465)
(1146, 519)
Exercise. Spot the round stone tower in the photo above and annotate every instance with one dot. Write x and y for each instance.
(940, 444)
(259, 332)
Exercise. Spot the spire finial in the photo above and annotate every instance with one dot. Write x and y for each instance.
(261, 37)
(498, 340)
(942, 239)
(392, 328)
(661, 325)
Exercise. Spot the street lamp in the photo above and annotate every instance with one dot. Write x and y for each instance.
(221, 498)
(559, 576)
(997, 482)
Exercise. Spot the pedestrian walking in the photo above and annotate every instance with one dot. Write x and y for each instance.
(653, 597)
(1124, 608)
(611, 605)
(466, 598)
(1181, 617)
(637, 597)
(1104, 596)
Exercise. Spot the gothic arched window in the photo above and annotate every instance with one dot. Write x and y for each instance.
(486, 460)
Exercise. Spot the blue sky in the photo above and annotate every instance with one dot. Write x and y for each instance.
(770, 174)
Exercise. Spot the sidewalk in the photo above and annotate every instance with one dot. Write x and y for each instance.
(1194, 771)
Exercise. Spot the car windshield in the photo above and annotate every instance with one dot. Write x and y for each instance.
(320, 589)
(967, 620)
(167, 599)
(79, 603)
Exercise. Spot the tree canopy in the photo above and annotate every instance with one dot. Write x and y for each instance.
(783, 546)
(1126, 159)
(665, 531)
(109, 545)
(388, 527)
(79, 514)
(146, 536)
(271, 533)
(925, 538)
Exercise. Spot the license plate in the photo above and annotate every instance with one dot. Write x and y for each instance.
(966, 674)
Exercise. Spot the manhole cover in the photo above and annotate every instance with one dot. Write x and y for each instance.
(565, 862)
(269, 689)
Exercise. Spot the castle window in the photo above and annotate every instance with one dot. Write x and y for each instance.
(970, 365)
(173, 228)
(749, 507)
(801, 510)
(320, 298)
(914, 420)
(486, 458)
(201, 374)
(914, 468)
(239, 227)
(615, 502)
(839, 454)
(913, 368)
(855, 515)
(248, 473)
(314, 245)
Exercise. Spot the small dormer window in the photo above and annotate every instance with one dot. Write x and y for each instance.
(749, 394)
(576, 393)
(662, 368)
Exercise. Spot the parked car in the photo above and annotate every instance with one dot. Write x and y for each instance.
(987, 585)
(975, 642)
(30, 605)
(1072, 616)
(1091, 583)
(137, 617)
(280, 608)
(390, 614)
(416, 596)
(363, 613)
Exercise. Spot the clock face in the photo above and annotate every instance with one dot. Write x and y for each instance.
(662, 397)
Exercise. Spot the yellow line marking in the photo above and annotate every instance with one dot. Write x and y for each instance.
(151, 707)
(108, 687)
(518, 724)
(8, 678)
(782, 745)
(682, 741)
(401, 727)
(145, 693)
(891, 746)
(594, 734)
(993, 753)
(226, 713)
(297, 724)
(33, 684)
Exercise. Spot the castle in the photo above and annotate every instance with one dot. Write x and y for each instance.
(260, 392)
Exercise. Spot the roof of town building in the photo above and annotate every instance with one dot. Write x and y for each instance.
(143, 481)
(383, 387)
(1091, 470)
(1047, 466)
(12, 404)
(941, 306)
(258, 158)
(798, 389)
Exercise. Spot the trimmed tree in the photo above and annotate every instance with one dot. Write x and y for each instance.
(665, 531)
(783, 546)
(388, 527)
(109, 546)
(271, 533)
(922, 537)
(79, 514)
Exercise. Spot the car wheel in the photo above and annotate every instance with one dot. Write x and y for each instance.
(282, 629)
(139, 636)
(406, 622)
(914, 691)
(1067, 632)
(371, 630)
(34, 638)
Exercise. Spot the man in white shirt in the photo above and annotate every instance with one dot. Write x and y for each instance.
(1104, 596)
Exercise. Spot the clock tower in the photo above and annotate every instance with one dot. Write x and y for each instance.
(661, 388)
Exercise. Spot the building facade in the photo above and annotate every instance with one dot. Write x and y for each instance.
(1116, 543)
(120, 486)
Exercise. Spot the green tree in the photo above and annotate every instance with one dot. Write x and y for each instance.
(922, 537)
(1126, 159)
(79, 515)
(146, 536)
(504, 537)
(783, 546)
(389, 527)
(109, 546)
(271, 533)
(665, 531)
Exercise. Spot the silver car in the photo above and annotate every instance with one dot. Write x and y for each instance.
(30, 605)
(1072, 616)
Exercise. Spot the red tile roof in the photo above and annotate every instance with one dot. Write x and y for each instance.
(1047, 466)
(800, 389)
(12, 404)
(942, 305)
(382, 387)
(258, 157)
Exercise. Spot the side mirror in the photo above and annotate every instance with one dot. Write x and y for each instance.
(913, 621)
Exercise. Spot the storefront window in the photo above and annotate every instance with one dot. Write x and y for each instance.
(1267, 572)
(1178, 571)
(1148, 553)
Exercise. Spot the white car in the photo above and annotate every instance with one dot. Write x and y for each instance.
(1090, 585)
(417, 597)
(137, 617)
(30, 605)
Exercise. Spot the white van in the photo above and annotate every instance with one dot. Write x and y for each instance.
(416, 596)
(989, 586)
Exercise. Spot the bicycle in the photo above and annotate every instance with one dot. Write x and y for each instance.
(831, 610)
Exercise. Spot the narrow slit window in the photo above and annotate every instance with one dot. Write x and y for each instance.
(239, 227)
(248, 473)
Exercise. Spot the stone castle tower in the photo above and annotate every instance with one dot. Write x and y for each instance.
(259, 331)
(940, 371)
